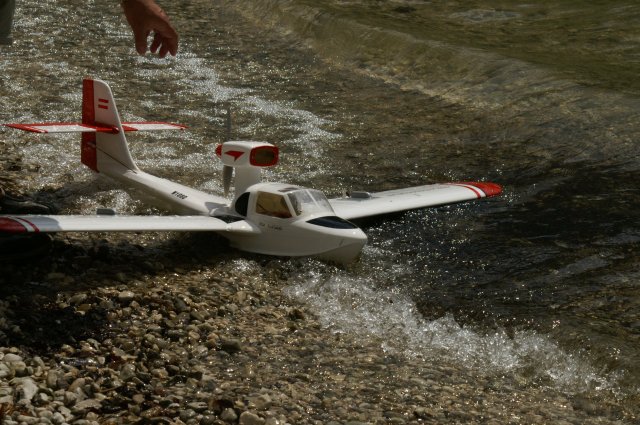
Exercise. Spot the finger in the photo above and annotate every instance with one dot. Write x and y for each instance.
(141, 41)
(163, 50)
(169, 37)
(157, 42)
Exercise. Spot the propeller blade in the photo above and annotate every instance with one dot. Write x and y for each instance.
(227, 173)
(228, 124)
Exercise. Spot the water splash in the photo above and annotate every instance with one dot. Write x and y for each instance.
(354, 305)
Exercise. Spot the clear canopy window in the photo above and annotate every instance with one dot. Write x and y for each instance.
(309, 201)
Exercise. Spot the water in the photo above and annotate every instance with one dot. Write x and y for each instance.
(540, 285)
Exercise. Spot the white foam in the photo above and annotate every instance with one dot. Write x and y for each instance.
(352, 304)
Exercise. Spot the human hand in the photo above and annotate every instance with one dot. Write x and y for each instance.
(145, 16)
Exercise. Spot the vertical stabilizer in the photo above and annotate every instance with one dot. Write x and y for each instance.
(102, 151)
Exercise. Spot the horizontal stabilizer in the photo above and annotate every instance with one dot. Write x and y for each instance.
(116, 223)
(61, 127)
(363, 204)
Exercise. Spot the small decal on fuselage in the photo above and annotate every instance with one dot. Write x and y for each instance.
(235, 154)
(179, 195)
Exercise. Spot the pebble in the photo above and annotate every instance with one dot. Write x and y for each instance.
(229, 415)
(26, 388)
(249, 418)
(126, 296)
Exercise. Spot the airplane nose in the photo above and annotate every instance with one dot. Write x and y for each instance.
(349, 249)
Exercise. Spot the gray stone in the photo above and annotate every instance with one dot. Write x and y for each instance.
(70, 398)
(84, 405)
(29, 420)
(127, 372)
(6, 371)
(26, 388)
(126, 296)
(20, 369)
(187, 414)
(57, 418)
(11, 357)
(262, 402)
(249, 418)
(229, 415)
(231, 345)
(52, 378)
(78, 299)
(78, 383)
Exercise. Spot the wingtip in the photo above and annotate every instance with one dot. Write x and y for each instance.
(25, 127)
(11, 225)
(489, 189)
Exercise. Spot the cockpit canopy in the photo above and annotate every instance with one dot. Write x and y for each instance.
(286, 202)
(309, 201)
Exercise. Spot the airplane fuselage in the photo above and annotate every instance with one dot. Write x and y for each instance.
(288, 220)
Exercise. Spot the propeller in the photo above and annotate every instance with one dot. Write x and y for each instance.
(227, 170)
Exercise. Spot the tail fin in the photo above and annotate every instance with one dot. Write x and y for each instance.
(103, 151)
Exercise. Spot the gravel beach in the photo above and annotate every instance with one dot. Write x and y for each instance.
(146, 339)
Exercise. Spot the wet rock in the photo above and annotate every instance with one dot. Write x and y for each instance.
(249, 418)
(230, 345)
(262, 402)
(229, 415)
(78, 299)
(127, 372)
(125, 297)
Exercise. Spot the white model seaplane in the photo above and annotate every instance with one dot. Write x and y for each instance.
(266, 218)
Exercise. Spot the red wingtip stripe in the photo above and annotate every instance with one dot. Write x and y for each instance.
(489, 189)
(12, 225)
(481, 189)
(29, 225)
(477, 192)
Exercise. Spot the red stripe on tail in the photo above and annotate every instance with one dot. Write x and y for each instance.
(88, 110)
(88, 154)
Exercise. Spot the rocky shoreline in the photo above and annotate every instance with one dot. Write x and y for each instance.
(129, 331)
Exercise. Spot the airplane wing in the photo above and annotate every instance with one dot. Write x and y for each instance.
(119, 223)
(62, 127)
(364, 204)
